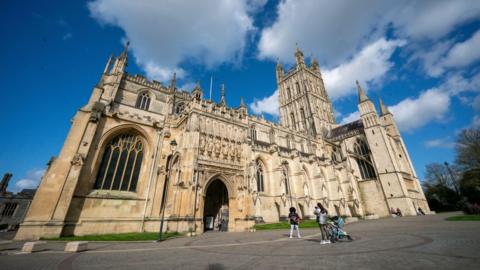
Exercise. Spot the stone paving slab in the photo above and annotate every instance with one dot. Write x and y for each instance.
(426, 242)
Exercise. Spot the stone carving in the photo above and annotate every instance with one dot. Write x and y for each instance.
(97, 111)
(77, 160)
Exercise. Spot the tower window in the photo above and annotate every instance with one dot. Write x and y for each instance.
(143, 101)
(297, 85)
(294, 123)
(121, 162)
(304, 120)
(289, 93)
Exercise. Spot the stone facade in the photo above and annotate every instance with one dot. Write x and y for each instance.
(140, 150)
(13, 207)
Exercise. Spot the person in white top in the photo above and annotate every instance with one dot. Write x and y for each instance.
(322, 216)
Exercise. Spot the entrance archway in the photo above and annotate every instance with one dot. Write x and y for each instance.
(215, 211)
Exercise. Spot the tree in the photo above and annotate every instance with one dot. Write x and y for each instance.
(468, 149)
(440, 187)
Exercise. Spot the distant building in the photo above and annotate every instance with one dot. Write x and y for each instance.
(140, 151)
(13, 207)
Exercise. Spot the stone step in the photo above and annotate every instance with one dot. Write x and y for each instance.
(34, 246)
(6, 244)
(76, 246)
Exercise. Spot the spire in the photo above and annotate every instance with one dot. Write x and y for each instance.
(222, 100)
(242, 103)
(4, 182)
(299, 57)
(279, 70)
(109, 63)
(315, 66)
(361, 93)
(383, 109)
(173, 83)
(125, 50)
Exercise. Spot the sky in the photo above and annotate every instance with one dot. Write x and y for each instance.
(420, 57)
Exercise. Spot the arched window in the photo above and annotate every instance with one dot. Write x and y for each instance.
(289, 94)
(260, 176)
(253, 133)
(292, 117)
(285, 178)
(143, 101)
(121, 162)
(304, 119)
(364, 160)
(297, 88)
(179, 108)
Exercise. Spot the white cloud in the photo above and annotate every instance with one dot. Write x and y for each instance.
(334, 30)
(475, 122)
(31, 180)
(370, 64)
(354, 116)
(449, 55)
(164, 34)
(440, 143)
(464, 53)
(268, 105)
(431, 105)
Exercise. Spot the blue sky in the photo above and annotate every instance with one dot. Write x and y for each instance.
(421, 57)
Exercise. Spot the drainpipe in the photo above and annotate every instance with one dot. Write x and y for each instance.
(150, 180)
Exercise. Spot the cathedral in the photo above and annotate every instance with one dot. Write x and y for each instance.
(141, 154)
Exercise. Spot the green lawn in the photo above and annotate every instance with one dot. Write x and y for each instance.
(145, 236)
(465, 218)
(286, 225)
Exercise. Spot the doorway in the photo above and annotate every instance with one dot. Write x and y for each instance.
(215, 213)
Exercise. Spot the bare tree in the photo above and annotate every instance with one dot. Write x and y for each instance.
(468, 149)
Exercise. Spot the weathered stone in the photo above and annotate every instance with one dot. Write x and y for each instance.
(184, 147)
(34, 246)
(76, 246)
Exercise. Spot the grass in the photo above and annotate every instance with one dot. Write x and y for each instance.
(465, 218)
(145, 236)
(286, 225)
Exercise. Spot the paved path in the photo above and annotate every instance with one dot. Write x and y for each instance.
(427, 242)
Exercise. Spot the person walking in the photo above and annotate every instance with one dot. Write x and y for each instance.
(294, 221)
(322, 216)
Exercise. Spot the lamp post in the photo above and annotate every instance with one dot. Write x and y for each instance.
(173, 146)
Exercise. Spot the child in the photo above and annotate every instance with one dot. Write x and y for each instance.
(322, 216)
(294, 220)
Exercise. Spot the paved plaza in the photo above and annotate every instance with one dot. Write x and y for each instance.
(426, 242)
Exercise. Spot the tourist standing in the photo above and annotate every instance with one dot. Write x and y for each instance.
(322, 216)
(294, 219)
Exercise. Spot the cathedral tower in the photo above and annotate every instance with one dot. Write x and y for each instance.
(388, 169)
(304, 103)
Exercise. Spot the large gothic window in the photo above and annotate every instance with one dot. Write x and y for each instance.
(260, 176)
(121, 162)
(143, 101)
(364, 161)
